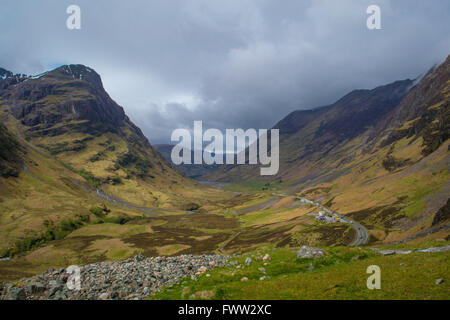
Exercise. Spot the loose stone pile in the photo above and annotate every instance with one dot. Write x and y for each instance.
(309, 252)
(131, 279)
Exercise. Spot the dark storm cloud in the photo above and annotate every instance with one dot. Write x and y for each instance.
(232, 64)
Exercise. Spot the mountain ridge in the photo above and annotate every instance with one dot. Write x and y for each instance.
(77, 144)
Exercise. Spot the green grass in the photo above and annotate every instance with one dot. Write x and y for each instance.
(421, 245)
(339, 275)
(52, 232)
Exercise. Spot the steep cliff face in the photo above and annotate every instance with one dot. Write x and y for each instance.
(67, 110)
(72, 92)
(424, 112)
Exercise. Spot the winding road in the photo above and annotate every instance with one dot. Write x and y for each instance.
(362, 235)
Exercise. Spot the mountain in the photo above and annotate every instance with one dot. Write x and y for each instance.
(79, 183)
(66, 146)
(194, 171)
(380, 155)
(314, 142)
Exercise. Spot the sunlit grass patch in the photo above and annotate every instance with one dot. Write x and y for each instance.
(341, 274)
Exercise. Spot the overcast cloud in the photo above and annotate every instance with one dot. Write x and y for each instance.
(232, 64)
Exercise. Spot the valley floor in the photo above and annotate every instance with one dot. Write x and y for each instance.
(249, 225)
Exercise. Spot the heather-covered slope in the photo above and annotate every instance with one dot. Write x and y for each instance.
(62, 140)
(380, 155)
(68, 113)
(10, 151)
(315, 142)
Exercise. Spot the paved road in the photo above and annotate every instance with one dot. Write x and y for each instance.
(362, 236)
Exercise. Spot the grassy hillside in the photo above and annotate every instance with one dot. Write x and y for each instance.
(341, 274)
(62, 138)
(10, 151)
(80, 184)
(379, 155)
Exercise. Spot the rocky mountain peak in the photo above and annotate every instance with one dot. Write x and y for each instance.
(67, 93)
(77, 71)
(5, 73)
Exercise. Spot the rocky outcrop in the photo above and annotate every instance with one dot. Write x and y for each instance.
(306, 252)
(71, 92)
(389, 252)
(442, 215)
(424, 112)
(70, 101)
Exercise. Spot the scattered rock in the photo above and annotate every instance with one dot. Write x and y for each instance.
(52, 291)
(262, 269)
(266, 257)
(391, 252)
(60, 295)
(15, 293)
(202, 270)
(403, 251)
(386, 252)
(36, 288)
(134, 278)
(311, 267)
(248, 261)
(244, 279)
(309, 252)
(438, 249)
(439, 281)
(103, 296)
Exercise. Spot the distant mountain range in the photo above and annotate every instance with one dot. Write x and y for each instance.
(381, 155)
(194, 171)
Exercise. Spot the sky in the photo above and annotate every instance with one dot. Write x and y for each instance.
(232, 64)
